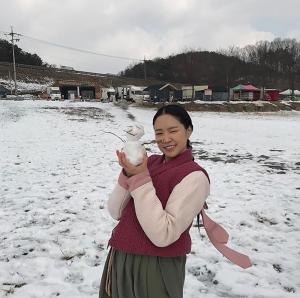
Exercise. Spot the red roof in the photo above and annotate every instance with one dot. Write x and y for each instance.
(250, 88)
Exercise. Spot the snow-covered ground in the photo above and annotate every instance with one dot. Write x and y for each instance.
(32, 86)
(58, 166)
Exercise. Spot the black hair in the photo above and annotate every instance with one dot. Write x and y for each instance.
(179, 113)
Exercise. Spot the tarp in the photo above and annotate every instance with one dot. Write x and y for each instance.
(137, 88)
(238, 88)
(286, 92)
(196, 87)
(249, 88)
(289, 92)
(201, 87)
(168, 85)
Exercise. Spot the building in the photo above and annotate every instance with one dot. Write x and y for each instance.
(219, 93)
(164, 92)
(205, 93)
(198, 90)
(245, 92)
(78, 89)
(3, 91)
(272, 94)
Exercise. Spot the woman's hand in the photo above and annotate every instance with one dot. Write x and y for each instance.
(128, 167)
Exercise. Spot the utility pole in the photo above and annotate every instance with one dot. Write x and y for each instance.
(145, 73)
(10, 87)
(13, 39)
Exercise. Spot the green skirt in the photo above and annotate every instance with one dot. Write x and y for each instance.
(137, 276)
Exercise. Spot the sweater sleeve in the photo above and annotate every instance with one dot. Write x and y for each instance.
(164, 226)
(119, 197)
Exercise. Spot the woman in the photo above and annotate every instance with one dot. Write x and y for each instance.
(155, 203)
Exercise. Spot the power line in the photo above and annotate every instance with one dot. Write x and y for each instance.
(76, 49)
(81, 50)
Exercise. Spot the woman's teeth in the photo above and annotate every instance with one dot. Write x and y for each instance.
(169, 147)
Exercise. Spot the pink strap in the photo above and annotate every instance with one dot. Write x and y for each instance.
(219, 238)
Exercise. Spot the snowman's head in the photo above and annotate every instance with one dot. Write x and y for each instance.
(134, 132)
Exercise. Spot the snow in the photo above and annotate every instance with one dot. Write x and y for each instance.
(58, 166)
(27, 86)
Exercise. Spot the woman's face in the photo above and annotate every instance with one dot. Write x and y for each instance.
(171, 136)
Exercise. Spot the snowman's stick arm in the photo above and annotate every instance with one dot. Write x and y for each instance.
(113, 134)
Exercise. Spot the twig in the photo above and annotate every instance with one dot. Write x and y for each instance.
(14, 284)
(71, 256)
(113, 134)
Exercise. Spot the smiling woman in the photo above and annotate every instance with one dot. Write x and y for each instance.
(148, 249)
(156, 203)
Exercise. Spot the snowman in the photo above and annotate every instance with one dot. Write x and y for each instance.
(133, 149)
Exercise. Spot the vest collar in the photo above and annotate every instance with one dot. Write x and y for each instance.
(163, 165)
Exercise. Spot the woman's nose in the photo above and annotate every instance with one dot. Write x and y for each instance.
(166, 138)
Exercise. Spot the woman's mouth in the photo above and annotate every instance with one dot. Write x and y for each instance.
(169, 147)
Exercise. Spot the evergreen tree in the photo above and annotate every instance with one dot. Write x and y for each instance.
(21, 56)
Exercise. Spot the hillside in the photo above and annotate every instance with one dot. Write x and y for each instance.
(192, 67)
(32, 71)
(270, 64)
(21, 56)
(46, 76)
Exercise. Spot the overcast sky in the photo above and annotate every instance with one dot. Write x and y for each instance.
(139, 28)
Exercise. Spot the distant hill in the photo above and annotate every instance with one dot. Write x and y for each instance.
(261, 64)
(21, 56)
(198, 68)
(192, 67)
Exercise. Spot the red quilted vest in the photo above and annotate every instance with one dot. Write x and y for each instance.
(128, 236)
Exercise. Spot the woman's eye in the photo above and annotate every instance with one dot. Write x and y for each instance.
(173, 131)
(158, 134)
